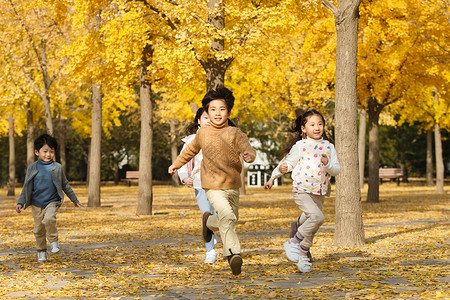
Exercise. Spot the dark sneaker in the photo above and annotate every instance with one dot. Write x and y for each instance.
(235, 262)
(207, 233)
(294, 228)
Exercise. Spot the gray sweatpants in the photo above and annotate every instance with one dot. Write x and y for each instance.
(311, 205)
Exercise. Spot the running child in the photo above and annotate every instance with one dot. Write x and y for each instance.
(312, 160)
(43, 191)
(221, 166)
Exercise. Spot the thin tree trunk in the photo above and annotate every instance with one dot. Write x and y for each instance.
(173, 149)
(439, 159)
(373, 192)
(438, 152)
(116, 173)
(362, 145)
(46, 91)
(403, 166)
(62, 145)
(349, 226)
(145, 196)
(12, 159)
(94, 198)
(30, 136)
(429, 167)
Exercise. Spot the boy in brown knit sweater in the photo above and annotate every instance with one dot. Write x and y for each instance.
(220, 171)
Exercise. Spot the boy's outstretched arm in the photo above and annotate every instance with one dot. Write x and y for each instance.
(248, 156)
(19, 208)
(172, 169)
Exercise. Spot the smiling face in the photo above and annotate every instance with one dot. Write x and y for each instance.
(204, 120)
(217, 112)
(45, 153)
(314, 127)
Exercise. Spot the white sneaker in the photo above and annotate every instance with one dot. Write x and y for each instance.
(210, 256)
(303, 264)
(42, 256)
(292, 250)
(55, 247)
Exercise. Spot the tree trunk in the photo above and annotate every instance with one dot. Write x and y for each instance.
(402, 154)
(438, 152)
(116, 173)
(429, 167)
(30, 136)
(145, 197)
(62, 144)
(349, 226)
(215, 68)
(362, 145)
(46, 94)
(173, 150)
(439, 159)
(373, 193)
(95, 150)
(12, 159)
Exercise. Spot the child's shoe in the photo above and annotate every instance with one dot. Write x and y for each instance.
(294, 228)
(42, 256)
(303, 264)
(55, 247)
(292, 250)
(207, 233)
(210, 256)
(235, 261)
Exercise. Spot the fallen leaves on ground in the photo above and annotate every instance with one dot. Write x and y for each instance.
(110, 252)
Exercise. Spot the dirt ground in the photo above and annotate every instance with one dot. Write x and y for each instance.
(111, 253)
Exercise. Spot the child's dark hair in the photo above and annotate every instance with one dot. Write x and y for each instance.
(297, 129)
(192, 128)
(45, 139)
(219, 93)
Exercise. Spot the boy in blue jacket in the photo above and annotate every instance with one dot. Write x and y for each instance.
(43, 190)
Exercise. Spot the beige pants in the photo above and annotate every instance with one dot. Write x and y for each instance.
(311, 205)
(226, 205)
(45, 225)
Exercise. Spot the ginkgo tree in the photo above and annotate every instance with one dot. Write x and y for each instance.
(32, 38)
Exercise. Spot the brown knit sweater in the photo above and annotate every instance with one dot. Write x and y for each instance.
(221, 166)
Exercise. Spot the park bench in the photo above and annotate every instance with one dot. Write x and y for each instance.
(391, 173)
(131, 176)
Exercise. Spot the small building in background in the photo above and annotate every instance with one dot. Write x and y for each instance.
(261, 169)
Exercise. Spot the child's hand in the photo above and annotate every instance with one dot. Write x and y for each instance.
(188, 182)
(283, 168)
(172, 169)
(19, 208)
(268, 184)
(324, 159)
(247, 157)
(78, 204)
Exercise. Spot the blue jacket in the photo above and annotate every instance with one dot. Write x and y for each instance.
(59, 180)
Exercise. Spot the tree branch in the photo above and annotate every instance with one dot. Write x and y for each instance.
(330, 6)
(27, 76)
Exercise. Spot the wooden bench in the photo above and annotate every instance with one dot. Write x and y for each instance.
(391, 173)
(131, 176)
